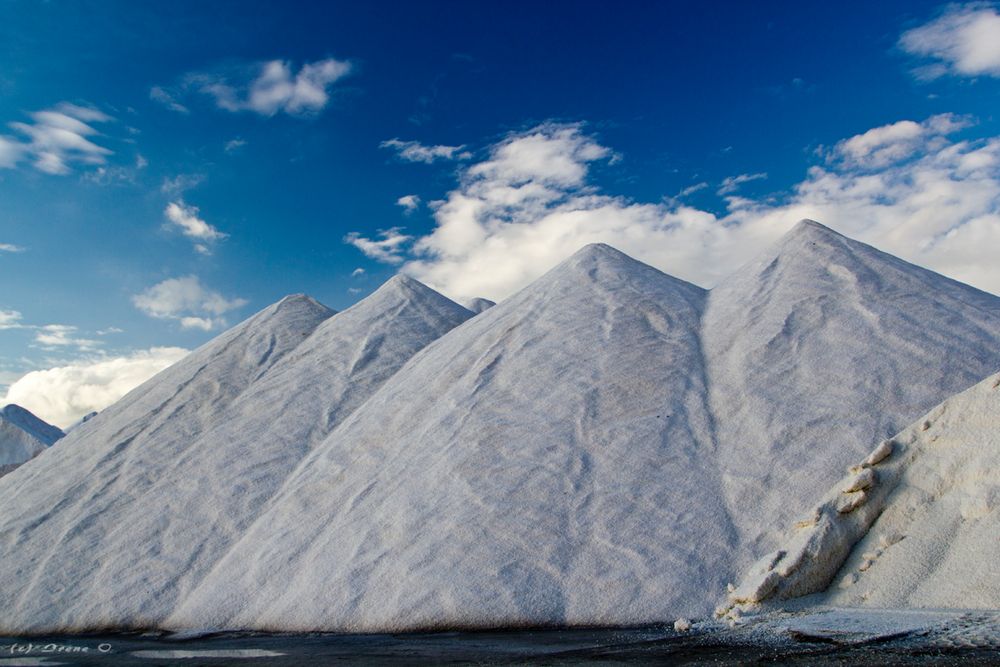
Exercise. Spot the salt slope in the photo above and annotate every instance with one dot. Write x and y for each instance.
(816, 349)
(935, 543)
(547, 462)
(22, 437)
(65, 514)
(914, 524)
(213, 487)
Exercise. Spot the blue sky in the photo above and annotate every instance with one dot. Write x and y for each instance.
(166, 169)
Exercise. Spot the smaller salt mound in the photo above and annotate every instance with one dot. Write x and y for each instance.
(910, 526)
(479, 304)
(23, 436)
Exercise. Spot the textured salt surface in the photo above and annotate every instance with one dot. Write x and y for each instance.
(604, 446)
(149, 495)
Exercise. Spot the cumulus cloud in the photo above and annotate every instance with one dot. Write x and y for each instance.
(185, 218)
(882, 146)
(916, 192)
(733, 183)
(188, 302)
(273, 87)
(388, 248)
(64, 394)
(414, 151)
(56, 139)
(10, 319)
(409, 203)
(965, 41)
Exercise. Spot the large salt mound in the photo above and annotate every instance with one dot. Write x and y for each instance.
(564, 458)
(140, 519)
(816, 348)
(914, 524)
(23, 436)
(544, 463)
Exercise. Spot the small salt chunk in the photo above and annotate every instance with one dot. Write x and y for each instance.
(849, 580)
(863, 480)
(865, 565)
(886, 540)
(880, 453)
(730, 587)
(926, 424)
(849, 502)
(682, 625)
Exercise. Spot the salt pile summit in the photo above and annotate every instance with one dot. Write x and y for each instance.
(23, 436)
(610, 445)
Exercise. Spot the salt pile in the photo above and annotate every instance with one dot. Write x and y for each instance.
(23, 436)
(913, 525)
(154, 489)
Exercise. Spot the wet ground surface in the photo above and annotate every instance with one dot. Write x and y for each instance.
(954, 639)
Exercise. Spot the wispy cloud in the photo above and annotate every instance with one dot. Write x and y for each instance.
(10, 247)
(63, 335)
(167, 99)
(234, 145)
(733, 183)
(187, 301)
(181, 183)
(56, 139)
(186, 218)
(387, 248)
(358, 272)
(10, 319)
(964, 40)
(414, 151)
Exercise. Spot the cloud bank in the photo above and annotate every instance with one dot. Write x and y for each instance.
(908, 188)
(64, 394)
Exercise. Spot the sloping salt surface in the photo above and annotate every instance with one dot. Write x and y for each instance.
(66, 517)
(18, 440)
(38, 428)
(547, 462)
(936, 542)
(817, 349)
(199, 496)
(914, 524)
(479, 304)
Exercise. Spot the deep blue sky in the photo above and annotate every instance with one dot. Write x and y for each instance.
(683, 92)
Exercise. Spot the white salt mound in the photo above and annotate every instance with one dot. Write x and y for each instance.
(923, 534)
(149, 495)
(604, 447)
(23, 436)
(479, 304)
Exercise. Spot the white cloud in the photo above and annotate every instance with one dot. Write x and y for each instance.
(10, 319)
(356, 273)
(63, 335)
(965, 40)
(181, 183)
(64, 394)
(161, 95)
(386, 249)
(414, 151)
(234, 145)
(56, 139)
(691, 189)
(531, 204)
(881, 146)
(733, 183)
(274, 87)
(187, 301)
(10, 247)
(185, 218)
(410, 203)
